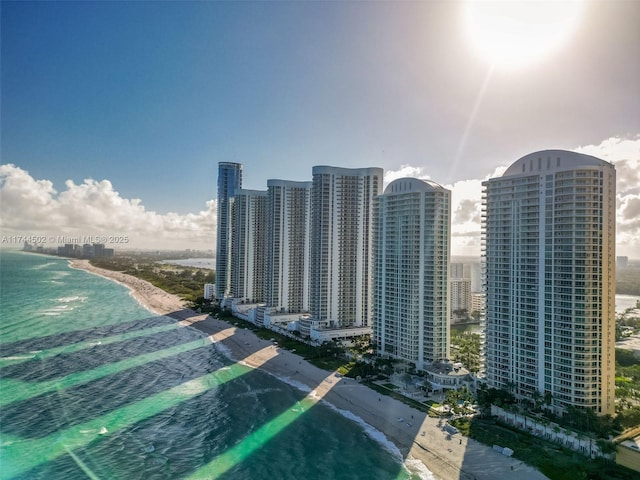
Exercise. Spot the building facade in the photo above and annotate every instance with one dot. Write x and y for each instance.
(460, 294)
(289, 229)
(341, 243)
(209, 291)
(411, 272)
(229, 179)
(248, 245)
(549, 247)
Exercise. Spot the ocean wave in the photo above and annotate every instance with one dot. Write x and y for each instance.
(43, 265)
(372, 432)
(294, 383)
(74, 298)
(59, 308)
(224, 350)
(17, 357)
(56, 311)
(416, 467)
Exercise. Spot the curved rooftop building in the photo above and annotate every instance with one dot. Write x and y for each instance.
(411, 271)
(549, 247)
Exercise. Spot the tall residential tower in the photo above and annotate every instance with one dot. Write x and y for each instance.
(287, 275)
(341, 244)
(549, 241)
(248, 244)
(229, 179)
(411, 272)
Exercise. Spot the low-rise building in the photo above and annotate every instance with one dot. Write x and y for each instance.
(448, 376)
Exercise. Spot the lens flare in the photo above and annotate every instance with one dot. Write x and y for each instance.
(513, 34)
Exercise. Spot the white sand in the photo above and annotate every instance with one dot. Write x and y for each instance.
(419, 439)
(152, 298)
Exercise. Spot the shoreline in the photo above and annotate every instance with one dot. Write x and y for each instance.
(422, 443)
(149, 296)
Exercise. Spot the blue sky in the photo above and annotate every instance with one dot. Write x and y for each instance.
(145, 98)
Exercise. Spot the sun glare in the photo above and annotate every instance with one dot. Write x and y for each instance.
(512, 34)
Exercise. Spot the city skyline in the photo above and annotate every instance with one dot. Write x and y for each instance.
(144, 100)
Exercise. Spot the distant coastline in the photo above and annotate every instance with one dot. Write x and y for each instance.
(207, 263)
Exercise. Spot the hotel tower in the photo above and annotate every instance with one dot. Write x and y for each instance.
(287, 276)
(341, 244)
(411, 271)
(549, 246)
(229, 179)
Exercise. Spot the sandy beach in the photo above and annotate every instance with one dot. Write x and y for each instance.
(420, 440)
(152, 298)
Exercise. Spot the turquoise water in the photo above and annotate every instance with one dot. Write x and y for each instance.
(92, 385)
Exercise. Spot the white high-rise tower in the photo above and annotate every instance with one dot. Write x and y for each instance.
(411, 273)
(229, 179)
(289, 218)
(248, 239)
(549, 233)
(341, 243)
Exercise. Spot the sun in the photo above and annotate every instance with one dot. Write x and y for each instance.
(512, 34)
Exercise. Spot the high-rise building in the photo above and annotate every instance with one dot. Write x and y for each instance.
(460, 289)
(477, 302)
(622, 262)
(475, 274)
(341, 242)
(229, 179)
(289, 229)
(458, 270)
(411, 274)
(248, 244)
(549, 246)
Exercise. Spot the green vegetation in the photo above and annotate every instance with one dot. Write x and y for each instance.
(458, 400)
(186, 282)
(627, 388)
(465, 348)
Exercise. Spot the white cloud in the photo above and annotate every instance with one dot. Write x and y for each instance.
(405, 171)
(33, 207)
(624, 153)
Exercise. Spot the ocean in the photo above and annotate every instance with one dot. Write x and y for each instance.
(93, 385)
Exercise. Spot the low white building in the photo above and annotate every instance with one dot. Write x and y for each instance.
(281, 319)
(244, 309)
(344, 335)
(448, 375)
